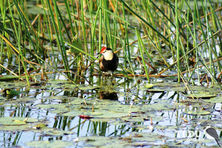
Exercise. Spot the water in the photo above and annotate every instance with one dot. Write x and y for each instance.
(127, 115)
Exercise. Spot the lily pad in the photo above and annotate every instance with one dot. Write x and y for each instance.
(215, 100)
(159, 105)
(156, 90)
(199, 112)
(56, 108)
(201, 95)
(49, 144)
(16, 120)
(23, 100)
(99, 141)
(89, 87)
(210, 90)
(55, 132)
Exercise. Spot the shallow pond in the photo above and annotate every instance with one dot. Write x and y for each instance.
(108, 112)
(53, 45)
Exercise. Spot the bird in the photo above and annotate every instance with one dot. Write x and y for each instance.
(108, 61)
(213, 133)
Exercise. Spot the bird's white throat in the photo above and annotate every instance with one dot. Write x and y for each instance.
(108, 55)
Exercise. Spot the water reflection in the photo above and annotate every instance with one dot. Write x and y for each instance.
(164, 122)
(108, 95)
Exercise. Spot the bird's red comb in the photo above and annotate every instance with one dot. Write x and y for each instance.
(103, 49)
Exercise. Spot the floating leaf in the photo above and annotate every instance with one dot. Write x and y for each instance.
(74, 113)
(49, 144)
(215, 100)
(15, 127)
(89, 87)
(100, 141)
(201, 95)
(199, 112)
(55, 132)
(156, 90)
(19, 122)
(16, 120)
(209, 90)
(57, 108)
(149, 85)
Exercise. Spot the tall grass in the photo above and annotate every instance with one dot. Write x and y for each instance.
(178, 38)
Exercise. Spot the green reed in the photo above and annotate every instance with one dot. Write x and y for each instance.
(178, 38)
(142, 49)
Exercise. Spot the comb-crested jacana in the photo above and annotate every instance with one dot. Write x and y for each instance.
(108, 61)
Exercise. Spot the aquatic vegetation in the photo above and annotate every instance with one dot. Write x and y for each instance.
(167, 84)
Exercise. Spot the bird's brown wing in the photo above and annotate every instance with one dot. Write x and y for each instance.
(100, 63)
